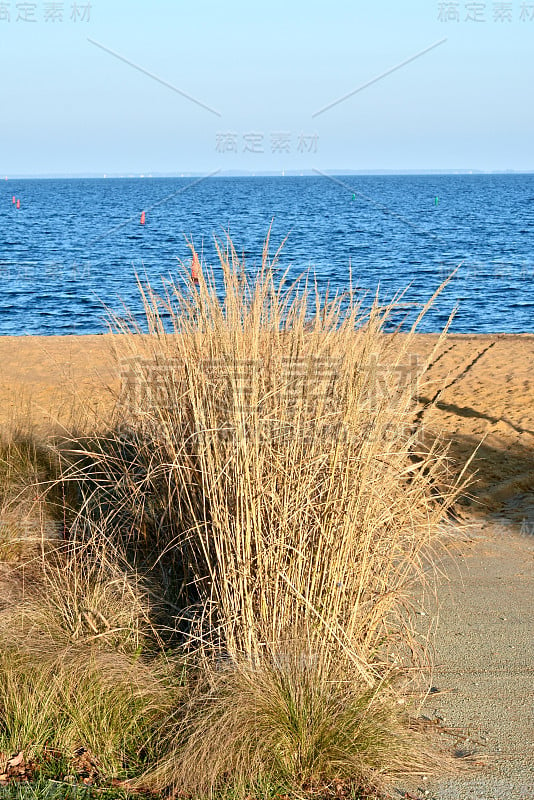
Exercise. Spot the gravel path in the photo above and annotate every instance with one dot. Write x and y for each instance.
(485, 661)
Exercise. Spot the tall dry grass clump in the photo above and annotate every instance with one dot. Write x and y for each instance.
(275, 450)
(261, 509)
(279, 477)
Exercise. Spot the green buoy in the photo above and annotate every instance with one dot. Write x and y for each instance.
(436, 201)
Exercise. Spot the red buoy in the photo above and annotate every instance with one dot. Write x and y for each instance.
(18, 203)
(14, 200)
(142, 217)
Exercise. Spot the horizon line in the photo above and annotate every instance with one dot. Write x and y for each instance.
(255, 174)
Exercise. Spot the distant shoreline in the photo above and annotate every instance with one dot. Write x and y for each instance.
(271, 174)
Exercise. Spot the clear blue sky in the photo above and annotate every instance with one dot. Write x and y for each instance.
(69, 107)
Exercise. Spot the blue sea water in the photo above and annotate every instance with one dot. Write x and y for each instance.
(75, 246)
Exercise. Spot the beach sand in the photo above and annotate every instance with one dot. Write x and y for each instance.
(484, 643)
(489, 399)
